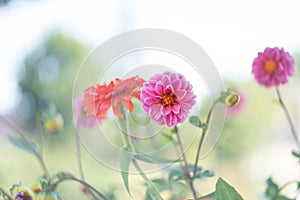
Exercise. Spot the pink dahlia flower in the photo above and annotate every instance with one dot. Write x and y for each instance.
(272, 67)
(167, 98)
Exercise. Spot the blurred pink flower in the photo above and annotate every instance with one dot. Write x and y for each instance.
(272, 67)
(235, 110)
(80, 117)
(167, 98)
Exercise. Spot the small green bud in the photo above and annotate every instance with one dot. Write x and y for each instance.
(54, 123)
(230, 98)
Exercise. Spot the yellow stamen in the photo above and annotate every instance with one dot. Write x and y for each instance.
(270, 66)
(168, 99)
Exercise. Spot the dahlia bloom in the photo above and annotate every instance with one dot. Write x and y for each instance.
(272, 67)
(97, 100)
(79, 115)
(167, 98)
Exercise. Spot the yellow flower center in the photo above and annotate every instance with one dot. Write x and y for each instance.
(270, 66)
(168, 99)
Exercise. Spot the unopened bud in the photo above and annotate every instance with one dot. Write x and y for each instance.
(232, 99)
(54, 123)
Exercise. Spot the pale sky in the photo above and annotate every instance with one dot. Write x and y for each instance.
(231, 31)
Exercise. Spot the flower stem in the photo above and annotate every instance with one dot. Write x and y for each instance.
(203, 136)
(186, 166)
(289, 119)
(127, 142)
(78, 155)
(5, 194)
(83, 183)
(79, 161)
(29, 143)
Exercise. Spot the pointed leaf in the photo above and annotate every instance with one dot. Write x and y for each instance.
(161, 184)
(154, 159)
(296, 154)
(176, 174)
(196, 122)
(272, 189)
(224, 191)
(125, 158)
(23, 145)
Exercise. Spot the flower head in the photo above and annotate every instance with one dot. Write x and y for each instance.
(167, 98)
(21, 192)
(79, 115)
(272, 67)
(97, 100)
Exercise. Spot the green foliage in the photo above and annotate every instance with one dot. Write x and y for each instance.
(272, 189)
(23, 145)
(125, 158)
(296, 154)
(48, 76)
(197, 122)
(177, 188)
(153, 159)
(177, 174)
(224, 191)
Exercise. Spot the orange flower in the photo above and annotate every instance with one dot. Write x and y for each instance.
(97, 100)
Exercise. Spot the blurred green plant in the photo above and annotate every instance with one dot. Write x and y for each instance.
(48, 76)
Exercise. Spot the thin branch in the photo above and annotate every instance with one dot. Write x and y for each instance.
(186, 166)
(203, 136)
(29, 143)
(83, 183)
(289, 119)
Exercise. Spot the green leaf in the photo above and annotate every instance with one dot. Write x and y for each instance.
(204, 173)
(281, 198)
(272, 188)
(167, 136)
(153, 159)
(208, 196)
(64, 175)
(296, 154)
(23, 145)
(161, 184)
(196, 122)
(224, 191)
(176, 174)
(125, 158)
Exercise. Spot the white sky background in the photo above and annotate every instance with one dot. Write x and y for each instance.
(230, 31)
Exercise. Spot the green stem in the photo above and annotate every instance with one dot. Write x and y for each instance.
(203, 136)
(83, 183)
(289, 119)
(282, 188)
(5, 194)
(78, 155)
(127, 142)
(29, 143)
(79, 161)
(146, 179)
(186, 166)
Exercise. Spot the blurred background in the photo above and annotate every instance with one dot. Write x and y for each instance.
(44, 42)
